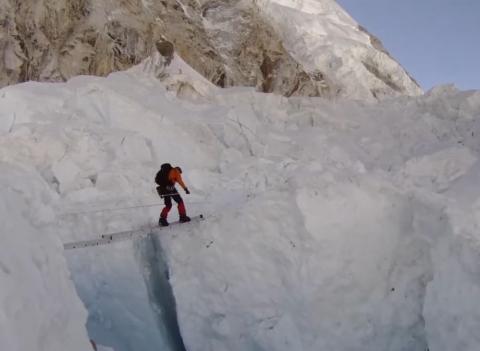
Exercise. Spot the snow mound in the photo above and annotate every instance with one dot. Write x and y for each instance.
(177, 76)
(451, 314)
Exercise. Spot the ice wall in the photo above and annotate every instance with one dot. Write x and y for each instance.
(39, 307)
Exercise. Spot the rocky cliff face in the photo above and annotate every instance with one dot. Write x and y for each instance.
(231, 43)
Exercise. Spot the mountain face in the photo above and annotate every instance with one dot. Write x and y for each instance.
(288, 47)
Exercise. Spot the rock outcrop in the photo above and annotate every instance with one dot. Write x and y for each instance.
(231, 43)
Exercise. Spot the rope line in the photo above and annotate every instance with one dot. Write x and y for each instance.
(110, 209)
(121, 208)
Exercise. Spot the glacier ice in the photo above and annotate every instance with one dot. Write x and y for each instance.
(330, 224)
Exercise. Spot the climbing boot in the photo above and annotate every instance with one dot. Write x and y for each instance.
(184, 219)
(162, 222)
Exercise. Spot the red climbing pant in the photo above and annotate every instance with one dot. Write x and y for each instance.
(168, 205)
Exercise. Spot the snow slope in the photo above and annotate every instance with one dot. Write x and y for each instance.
(330, 225)
(323, 37)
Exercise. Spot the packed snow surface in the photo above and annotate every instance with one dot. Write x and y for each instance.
(329, 225)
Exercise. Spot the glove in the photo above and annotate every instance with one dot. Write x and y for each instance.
(187, 191)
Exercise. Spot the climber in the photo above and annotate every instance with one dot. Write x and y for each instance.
(166, 178)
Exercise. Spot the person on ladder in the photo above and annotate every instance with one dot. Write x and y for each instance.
(166, 179)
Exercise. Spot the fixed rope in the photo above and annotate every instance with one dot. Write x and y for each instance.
(110, 209)
(123, 208)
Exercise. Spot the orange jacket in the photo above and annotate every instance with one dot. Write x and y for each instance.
(176, 177)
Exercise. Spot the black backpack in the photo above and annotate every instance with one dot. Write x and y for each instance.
(162, 176)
